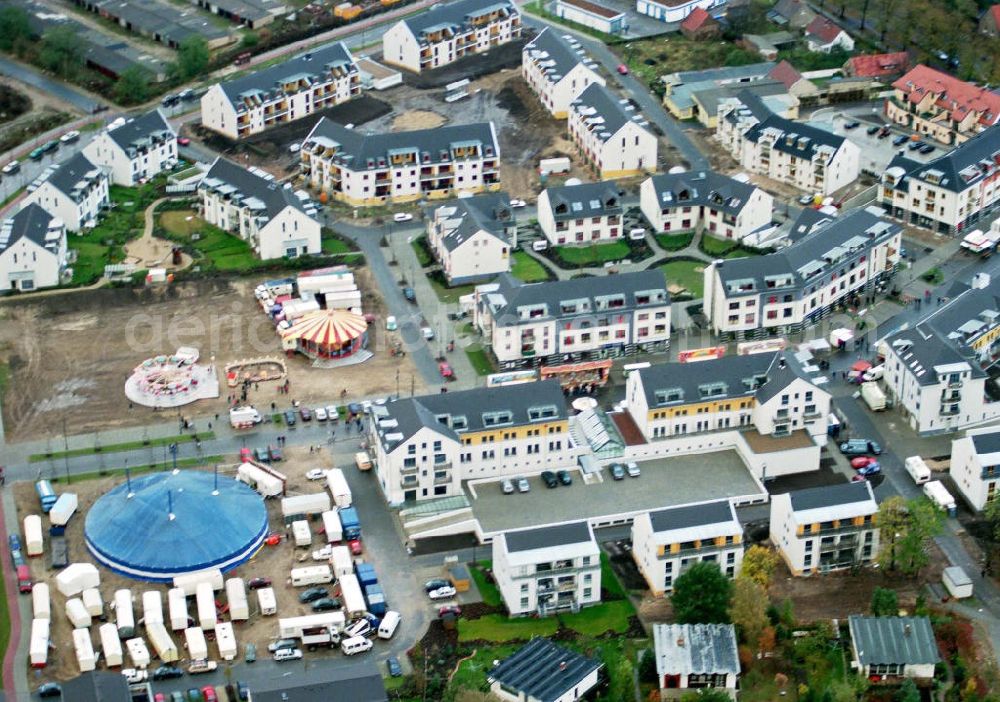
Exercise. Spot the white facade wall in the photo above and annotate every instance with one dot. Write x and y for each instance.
(481, 255)
(976, 476)
(671, 12)
(755, 213)
(841, 41)
(73, 214)
(27, 266)
(556, 577)
(291, 233)
(581, 231)
(400, 47)
(594, 20)
(556, 96)
(630, 151)
(802, 547)
(125, 170)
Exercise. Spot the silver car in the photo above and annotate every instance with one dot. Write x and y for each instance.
(632, 469)
(507, 486)
(522, 485)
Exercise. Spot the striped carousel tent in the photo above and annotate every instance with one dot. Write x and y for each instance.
(326, 334)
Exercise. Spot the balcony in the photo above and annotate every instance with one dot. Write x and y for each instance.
(409, 469)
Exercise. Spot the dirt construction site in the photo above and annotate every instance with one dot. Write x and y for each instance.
(67, 357)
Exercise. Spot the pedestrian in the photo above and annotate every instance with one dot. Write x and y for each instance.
(310, 448)
(216, 416)
(210, 426)
(982, 573)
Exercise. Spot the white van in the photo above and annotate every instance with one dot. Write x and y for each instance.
(917, 469)
(355, 644)
(390, 622)
(539, 245)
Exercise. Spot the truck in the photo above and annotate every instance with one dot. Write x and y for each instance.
(366, 573)
(352, 597)
(332, 527)
(63, 509)
(92, 601)
(124, 616)
(189, 581)
(163, 644)
(244, 417)
(302, 506)
(326, 636)
(38, 647)
(294, 627)
(84, 647)
(236, 596)
(362, 460)
(111, 645)
(339, 489)
(873, 396)
(152, 607)
(917, 469)
(205, 600)
(178, 606)
(351, 523)
(311, 575)
(34, 545)
(939, 495)
(266, 601)
(302, 533)
(46, 495)
(58, 549)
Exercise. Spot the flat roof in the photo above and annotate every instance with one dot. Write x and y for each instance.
(765, 443)
(594, 9)
(559, 535)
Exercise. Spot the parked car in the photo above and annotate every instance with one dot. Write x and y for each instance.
(245, 455)
(871, 469)
(50, 690)
(926, 149)
(395, 669)
(256, 583)
(549, 478)
(290, 419)
(872, 130)
(323, 554)
(402, 217)
(209, 692)
(564, 477)
(275, 646)
(450, 609)
(355, 546)
(262, 454)
(167, 672)
(312, 594)
(852, 125)
(410, 294)
(332, 413)
(901, 139)
(243, 690)
(622, 69)
(288, 654)
(445, 370)
(391, 324)
(427, 333)
(326, 604)
(70, 137)
(320, 414)
(11, 168)
(435, 584)
(183, 141)
(632, 468)
(50, 146)
(914, 145)
(617, 471)
(523, 485)
(306, 414)
(194, 695)
(251, 653)
(861, 461)
(857, 447)
(14, 542)
(134, 675)
(277, 455)
(23, 575)
(202, 666)
(514, 202)
(442, 593)
(316, 474)
(806, 200)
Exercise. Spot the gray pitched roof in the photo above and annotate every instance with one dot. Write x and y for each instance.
(554, 53)
(455, 15)
(692, 649)
(489, 212)
(696, 188)
(73, 174)
(97, 686)
(961, 168)
(921, 349)
(314, 66)
(141, 132)
(547, 537)
(830, 496)
(893, 640)
(248, 189)
(986, 443)
(585, 200)
(596, 101)
(352, 683)
(723, 74)
(798, 139)
(543, 671)
(689, 516)
(31, 223)
(360, 150)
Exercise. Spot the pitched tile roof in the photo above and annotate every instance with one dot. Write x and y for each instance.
(32, 223)
(585, 200)
(696, 20)
(74, 174)
(141, 131)
(956, 97)
(786, 74)
(879, 65)
(246, 189)
(543, 671)
(823, 29)
(893, 640)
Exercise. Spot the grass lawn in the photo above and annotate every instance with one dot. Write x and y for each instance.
(145, 468)
(447, 295)
(651, 58)
(420, 248)
(596, 620)
(501, 629)
(335, 246)
(488, 591)
(593, 255)
(129, 446)
(689, 274)
(723, 248)
(480, 361)
(674, 242)
(471, 674)
(214, 249)
(538, 8)
(527, 269)
(609, 581)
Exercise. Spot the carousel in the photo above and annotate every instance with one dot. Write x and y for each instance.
(172, 380)
(328, 335)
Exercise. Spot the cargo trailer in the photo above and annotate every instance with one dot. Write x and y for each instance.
(77, 613)
(34, 544)
(46, 495)
(939, 495)
(63, 509)
(124, 615)
(41, 605)
(312, 575)
(267, 602)
(236, 594)
(92, 601)
(365, 573)
(163, 644)
(351, 523)
(59, 549)
(189, 581)
(197, 648)
(178, 606)
(138, 653)
(152, 607)
(293, 508)
(76, 578)
(293, 627)
(225, 639)
(205, 600)
(111, 645)
(301, 533)
(336, 483)
(266, 481)
(351, 596)
(84, 647)
(38, 647)
(331, 527)
(343, 564)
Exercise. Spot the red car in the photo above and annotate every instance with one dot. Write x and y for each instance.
(246, 455)
(449, 609)
(623, 69)
(861, 462)
(858, 478)
(24, 584)
(209, 692)
(355, 546)
(273, 539)
(183, 141)
(445, 369)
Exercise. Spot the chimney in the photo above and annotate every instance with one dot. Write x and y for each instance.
(562, 666)
(781, 362)
(907, 629)
(680, 641)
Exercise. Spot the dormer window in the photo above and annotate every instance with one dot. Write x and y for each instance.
(543, 412)
(496, 419)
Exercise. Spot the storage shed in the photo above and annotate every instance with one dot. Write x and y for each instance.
(956, 581)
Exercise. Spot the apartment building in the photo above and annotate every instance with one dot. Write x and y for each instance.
(805, 157)
(758, 391)
(472, 237)
(668, 542)
(424, 447)
(795, 287)
(694, 656)
(671, 11)
(557, 69)
(975, 466)
(259, 210)
(136, 150)
(448, 32)
(377, 169)
(728, 208)
(580, 319)
(939, 105)
(32, 250)
(583, 214)
(826, 528)
(950, 193)
(282, 93)
(76, 193)
(543, 570)
(612, 137)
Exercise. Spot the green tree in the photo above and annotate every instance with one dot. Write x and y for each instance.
(892, 520)
(907, 692)
(701, 595)
(60, 50)
(759, 563)
(925, 521)
(250, 40)
(192, 57)
(992, 511)
(885, 603)
(749, 611)
(647, 666)
(132, 86)
(708, 694)
(14, 27)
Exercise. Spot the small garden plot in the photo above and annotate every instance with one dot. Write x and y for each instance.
(527, 269)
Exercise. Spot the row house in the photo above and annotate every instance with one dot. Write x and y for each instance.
(76, 192)
(269, 217)
(975, 466)
(557, 69)
(728, 208)
(614, 139)
(667, 542)
(950, 193)
(32, 250)
(135, 150)
(936, 104)
(376, 169)
(800, 155)
(583, 214)
(784, 291)
(446, 33)
(473, 237)
(543, 570)
(285, 92)
(425, 447)
(573, 320)
(828, 528)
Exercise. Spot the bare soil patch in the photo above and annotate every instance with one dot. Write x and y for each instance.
(417, 119)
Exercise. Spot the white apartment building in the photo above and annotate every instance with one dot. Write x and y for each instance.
(259, 210)
(797, 286)
(668, 542)
(285, 92)
(377, 169)
(543, 570)
(704, 200)
(135, 151)
(425, 447)
(557, 69)
(571, 320)
(691, 656)
(32, 250)
(472, 237)
(671, 11)
(580, 215)
(448, 32)
(611, 136)
(825, 528)
(75, 193)
(975, 465)
(805, 157)
(950, 193)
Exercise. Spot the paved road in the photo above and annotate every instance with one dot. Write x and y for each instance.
(63, 91)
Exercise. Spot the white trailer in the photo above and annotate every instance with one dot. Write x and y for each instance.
(111, 645)
(269, 483)
(343, 564)
(225, 639)
(873, 396)
(236, 594)
(152, 607)
(205, 598)
(332, 527)
(124, 615)
(917, 469)
(34, 544)
(312, 575)
(957, 582)
(63, 509)
(293, 627)
(189, 581)
(138, 653)
(163, 644)
(305, 505)
(41, 605)
(38, 648)
(93, 602)
(196, 647)
(244, 417)
(301, 533)
(85, 657)
(340, 491)
(77, 577)
(178, 605)
(939, 495)
(77, 613)
(267, 602)
(351, 596)
(554, 165)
